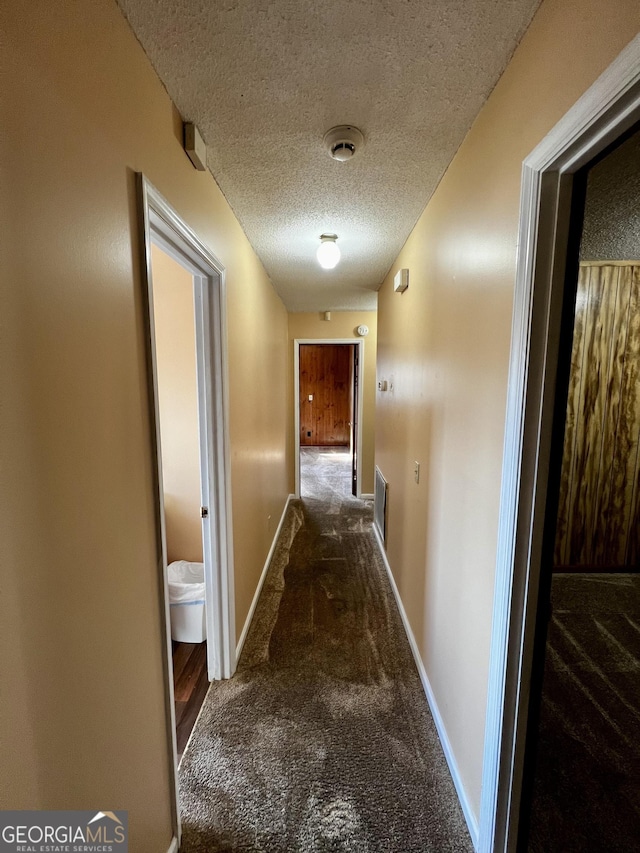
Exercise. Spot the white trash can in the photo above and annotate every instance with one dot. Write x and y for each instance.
(186, 601)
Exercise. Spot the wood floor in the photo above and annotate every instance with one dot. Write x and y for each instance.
(190, 685)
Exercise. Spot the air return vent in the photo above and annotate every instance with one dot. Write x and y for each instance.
(380, 504)
(343, 142)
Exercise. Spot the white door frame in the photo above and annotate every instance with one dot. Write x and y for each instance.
(606, 110)
(359, 342)
(162, 226)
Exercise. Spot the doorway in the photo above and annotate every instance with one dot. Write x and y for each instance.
(178, 423)
(583, 746)
(199, 287)
(328, 417)
(547, 254)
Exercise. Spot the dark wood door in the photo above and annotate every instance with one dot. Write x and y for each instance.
(355, 380)
(325, 394)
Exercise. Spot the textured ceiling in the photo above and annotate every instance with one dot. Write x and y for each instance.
(265, 79)
(611, 228)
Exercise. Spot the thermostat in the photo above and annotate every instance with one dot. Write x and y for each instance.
(363, 331)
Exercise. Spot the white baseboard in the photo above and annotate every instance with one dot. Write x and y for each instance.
(472, 821)
(256, 596)
(366, 497)
(173, 847)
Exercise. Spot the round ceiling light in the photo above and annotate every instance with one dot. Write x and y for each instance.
(343, 142)
(328, 253)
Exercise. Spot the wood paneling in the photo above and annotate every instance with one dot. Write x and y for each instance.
(325, 376)
(600, 483)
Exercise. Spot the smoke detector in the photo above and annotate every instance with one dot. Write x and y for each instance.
(343, 142)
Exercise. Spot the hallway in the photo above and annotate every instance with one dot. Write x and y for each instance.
(327, 713)
(323, 739)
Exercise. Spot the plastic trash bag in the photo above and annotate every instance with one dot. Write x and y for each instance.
(186, 582)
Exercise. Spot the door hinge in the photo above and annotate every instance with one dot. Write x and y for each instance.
(204, 512)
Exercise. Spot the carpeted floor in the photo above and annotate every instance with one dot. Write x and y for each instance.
(587, 788)
(322, 741)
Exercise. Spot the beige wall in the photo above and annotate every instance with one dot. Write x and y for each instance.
(175, 345)
(343, 324)
(445, 342)
(82, 655)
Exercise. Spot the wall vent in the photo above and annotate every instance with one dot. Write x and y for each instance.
(380, 504)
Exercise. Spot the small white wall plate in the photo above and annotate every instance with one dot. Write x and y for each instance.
(401, 281)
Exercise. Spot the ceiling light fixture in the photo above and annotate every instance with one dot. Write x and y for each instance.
(328, 253)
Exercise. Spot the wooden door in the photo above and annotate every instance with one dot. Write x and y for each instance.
(354, 382)
(325, 395)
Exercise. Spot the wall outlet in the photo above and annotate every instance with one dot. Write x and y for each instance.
(416, 471)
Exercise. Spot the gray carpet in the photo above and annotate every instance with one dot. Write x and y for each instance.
(587, 787)
(325, 473)
(322, 742)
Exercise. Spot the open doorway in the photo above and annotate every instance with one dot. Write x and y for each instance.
(328, 418)
(178, 422)
(585, 733)
(195, 285)
(536, 411)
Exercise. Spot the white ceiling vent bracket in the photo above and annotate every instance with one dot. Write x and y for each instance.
(343, 142)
